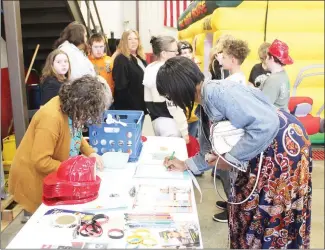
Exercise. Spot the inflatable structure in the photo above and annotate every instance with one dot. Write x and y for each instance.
(300, 24)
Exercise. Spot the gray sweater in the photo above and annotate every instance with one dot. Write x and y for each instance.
(277, 89)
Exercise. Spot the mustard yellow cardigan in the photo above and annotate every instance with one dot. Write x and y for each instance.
(44, 146)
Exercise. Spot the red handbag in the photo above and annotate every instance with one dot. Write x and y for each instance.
(193, 147)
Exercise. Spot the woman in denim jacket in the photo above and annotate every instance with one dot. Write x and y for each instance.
(278, 214)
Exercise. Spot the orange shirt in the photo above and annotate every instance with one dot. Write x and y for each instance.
(103, 67)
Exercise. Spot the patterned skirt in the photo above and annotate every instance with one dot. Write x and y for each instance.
(278, 215)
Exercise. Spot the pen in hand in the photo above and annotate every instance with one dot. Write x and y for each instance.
(171, 157)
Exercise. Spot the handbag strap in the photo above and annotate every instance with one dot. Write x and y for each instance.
(254, 188)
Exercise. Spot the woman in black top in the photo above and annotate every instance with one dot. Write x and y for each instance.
(55, 72)
(128, 73)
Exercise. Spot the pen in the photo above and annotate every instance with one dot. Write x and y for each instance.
(172, 156)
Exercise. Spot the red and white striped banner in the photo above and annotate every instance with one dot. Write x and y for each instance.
(172, 11)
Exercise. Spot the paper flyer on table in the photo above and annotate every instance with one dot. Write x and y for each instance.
(158, 172)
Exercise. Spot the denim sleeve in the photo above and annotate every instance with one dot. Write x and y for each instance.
(197, 164)
(245, 108)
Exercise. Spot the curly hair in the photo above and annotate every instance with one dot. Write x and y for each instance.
(236, 48)
(84, 100)
(219, 45)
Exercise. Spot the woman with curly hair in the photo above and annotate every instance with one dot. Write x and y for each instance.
(277, 211)
(54, 135)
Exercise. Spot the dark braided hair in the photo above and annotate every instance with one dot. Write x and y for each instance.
(177, 80)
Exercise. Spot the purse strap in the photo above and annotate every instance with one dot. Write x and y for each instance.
(254, 188)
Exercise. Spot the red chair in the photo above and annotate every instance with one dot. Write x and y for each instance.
(301, 106)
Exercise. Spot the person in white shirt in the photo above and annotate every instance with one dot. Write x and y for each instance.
(167, 119)
(73, 41)
(231, 53)
(234, 52)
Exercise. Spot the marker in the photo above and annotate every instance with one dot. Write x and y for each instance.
(172, 156)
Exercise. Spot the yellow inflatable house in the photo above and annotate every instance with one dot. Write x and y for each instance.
(300, 24)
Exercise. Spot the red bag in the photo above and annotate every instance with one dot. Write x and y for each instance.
(193, 147)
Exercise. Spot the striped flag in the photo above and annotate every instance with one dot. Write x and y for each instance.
(172, 11)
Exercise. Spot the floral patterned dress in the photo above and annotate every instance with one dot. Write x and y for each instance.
(278, 215)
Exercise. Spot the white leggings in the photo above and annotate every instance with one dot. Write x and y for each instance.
(166, 127)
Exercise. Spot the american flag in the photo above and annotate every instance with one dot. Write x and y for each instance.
(172, 11)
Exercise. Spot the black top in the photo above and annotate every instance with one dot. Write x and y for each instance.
(216, 74)
(258, 74)
(50, 88)
(129, 90)
(158, 109)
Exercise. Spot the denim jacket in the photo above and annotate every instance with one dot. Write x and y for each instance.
(245, 107)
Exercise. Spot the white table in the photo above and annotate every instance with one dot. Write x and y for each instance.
(33, 235)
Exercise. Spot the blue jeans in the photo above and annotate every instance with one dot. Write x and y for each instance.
(193, 128)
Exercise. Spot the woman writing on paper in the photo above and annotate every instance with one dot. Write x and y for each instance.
(278, 214)
(54, 135)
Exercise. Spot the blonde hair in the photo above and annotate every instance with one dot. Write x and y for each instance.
(237, 48)
(123, 45)
(221, 41)
(263, 50)
(48, 69)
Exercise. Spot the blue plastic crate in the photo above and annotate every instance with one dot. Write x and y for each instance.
(123, 134)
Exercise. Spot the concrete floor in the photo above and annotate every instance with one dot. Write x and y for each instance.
(215, 235)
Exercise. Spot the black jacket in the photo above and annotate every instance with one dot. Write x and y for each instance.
(129, 90)
(50, 87)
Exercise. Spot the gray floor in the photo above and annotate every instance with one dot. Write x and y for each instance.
(215, 235)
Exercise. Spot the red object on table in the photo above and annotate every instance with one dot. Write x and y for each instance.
(193, 147)
(75, 182)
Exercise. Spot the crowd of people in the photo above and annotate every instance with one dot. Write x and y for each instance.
(80, 81)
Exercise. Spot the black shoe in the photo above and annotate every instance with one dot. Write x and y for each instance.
(221, 205)
(221, 217)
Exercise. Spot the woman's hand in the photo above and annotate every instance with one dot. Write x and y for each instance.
(99, 161)
(175, 164)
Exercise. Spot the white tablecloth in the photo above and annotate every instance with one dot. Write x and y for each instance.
(33, 235)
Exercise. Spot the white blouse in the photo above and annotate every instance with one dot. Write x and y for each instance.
(80, 65)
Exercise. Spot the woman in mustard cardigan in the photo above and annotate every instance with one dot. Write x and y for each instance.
(54, 135)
